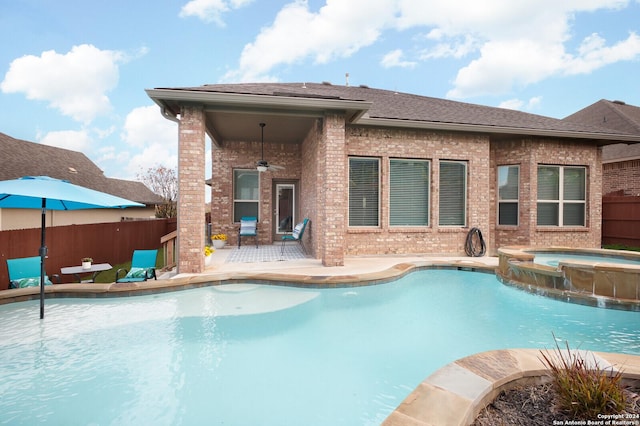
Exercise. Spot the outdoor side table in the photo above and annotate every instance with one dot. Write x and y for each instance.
(95, 269)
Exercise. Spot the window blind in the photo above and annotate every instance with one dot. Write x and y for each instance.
(363, 191)
(453, 193)
(409, 193)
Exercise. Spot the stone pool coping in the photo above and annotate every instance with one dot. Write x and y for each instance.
(456, 393)
(453, 395)
(596, 283)
(184, 282)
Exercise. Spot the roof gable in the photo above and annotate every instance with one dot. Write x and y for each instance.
(24, 158)
(615, 115)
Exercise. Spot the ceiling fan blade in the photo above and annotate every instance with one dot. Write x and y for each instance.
(275, 167)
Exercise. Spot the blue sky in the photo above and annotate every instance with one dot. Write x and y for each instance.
(73, 72)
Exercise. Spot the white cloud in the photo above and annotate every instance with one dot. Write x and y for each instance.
(511, 44)
(146, 126)
(75, 140)
(152, 156)
(505, 64)
(151, 138)
(453, 49)
(394, 59)
(521, 105)
(337, 30)
(211, 10)
(75, 83)
(593, 53)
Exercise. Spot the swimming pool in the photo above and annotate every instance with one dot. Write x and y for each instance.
(553, 259)
(247, 355)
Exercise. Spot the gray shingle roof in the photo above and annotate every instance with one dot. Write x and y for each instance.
(408, 107)
(24, 158)
(615, 115)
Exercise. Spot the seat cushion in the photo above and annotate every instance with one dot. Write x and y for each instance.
(29, 282)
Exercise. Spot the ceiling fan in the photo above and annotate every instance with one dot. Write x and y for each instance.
(263, 165)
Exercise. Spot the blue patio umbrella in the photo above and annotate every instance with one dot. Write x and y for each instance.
(46, 193)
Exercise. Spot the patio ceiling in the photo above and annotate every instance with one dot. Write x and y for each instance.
(225, 127)
(232, 117)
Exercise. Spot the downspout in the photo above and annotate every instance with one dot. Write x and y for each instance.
(169, 116)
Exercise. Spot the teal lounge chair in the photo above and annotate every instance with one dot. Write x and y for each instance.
(143, 267)
(248, 228)
(25, 272)
(296, 235)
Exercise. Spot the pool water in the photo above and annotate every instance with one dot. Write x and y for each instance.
(263, 355)
(553, 259)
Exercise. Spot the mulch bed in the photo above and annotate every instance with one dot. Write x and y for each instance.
(535, 405)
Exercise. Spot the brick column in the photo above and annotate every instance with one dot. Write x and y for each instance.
(333, 197)
(191, 200)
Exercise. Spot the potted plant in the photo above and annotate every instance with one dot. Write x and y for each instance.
(219, 240)
(86, 262)
(208, 251)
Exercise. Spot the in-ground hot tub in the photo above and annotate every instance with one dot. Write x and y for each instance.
(595, 277)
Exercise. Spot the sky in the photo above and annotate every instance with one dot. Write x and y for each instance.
(73, 73)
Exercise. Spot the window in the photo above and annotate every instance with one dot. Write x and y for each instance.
(453, 193)
(561, 196)
(364, 191)
(409, 193)
(508, 194)
(246, 194)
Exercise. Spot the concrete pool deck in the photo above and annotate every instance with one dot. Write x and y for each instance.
(453, 395)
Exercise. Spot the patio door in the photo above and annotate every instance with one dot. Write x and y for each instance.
(284, 208)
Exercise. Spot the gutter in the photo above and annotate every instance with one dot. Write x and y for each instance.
(356, 109)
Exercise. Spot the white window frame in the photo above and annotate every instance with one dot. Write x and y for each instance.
(561, 202)
(364, 199)
(427, 196)
(465, 192)
(504, 201)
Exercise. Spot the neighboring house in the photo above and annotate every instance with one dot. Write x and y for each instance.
(380, 172)
(23, 158)
(620, 162)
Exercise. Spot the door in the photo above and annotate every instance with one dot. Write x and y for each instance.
(285, 209)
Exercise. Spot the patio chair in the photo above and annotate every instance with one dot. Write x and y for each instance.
(248, 228)
(296, 235)
(25, 272)
(143, 267)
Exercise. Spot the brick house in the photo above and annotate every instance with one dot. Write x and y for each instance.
(380, 172)
(620, 162)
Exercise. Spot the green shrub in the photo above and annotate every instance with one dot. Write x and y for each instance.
(584, 392)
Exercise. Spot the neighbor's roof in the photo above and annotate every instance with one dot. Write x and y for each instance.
(616, 115)
(24, 158)
(370, 106)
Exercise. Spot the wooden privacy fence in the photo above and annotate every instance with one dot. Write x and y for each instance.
(104, 242)
(621, 221)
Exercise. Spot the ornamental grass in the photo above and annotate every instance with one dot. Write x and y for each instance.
(584, 391)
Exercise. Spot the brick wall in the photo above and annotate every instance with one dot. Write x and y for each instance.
(191, 199)
(528, 154)
(311, 182)
(320, 164)
(385, 144)
(243, 155)
(622, 178)
(334, 183)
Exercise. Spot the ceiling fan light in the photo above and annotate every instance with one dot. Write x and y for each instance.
(262, 168)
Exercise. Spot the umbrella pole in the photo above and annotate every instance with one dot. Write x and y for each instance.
(43, 254)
